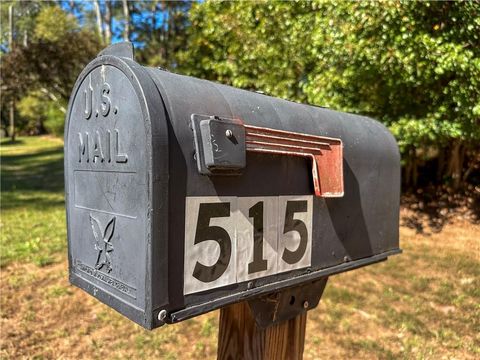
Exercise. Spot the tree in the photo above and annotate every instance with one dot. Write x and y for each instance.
(255, 45)
(163, 32)
(58, 47)
(99, 18)
(25, 13)
(49, 65)
(414, 66)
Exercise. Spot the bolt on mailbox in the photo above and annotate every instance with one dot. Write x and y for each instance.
(184, 195)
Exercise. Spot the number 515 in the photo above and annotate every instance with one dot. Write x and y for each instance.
(235, 239)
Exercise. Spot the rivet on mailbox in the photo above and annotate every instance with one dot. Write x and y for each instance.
(184, 195)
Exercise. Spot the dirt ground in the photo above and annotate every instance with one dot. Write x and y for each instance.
(422, 304)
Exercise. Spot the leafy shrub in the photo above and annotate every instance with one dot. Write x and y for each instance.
(55, 119)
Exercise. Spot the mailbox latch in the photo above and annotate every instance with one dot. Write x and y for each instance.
(221, 145)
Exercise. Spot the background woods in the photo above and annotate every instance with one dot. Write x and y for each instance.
(413, 66)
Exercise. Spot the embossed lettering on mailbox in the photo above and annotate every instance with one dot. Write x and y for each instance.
(98, 152)
(98, 146)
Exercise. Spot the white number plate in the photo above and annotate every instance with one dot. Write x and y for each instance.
(234, 239)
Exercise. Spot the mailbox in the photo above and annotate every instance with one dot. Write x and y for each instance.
(184, 195)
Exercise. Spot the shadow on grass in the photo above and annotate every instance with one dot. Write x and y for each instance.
(438, 206)
(24, 159)
(15, 142)
(27, 177)
(13, 200)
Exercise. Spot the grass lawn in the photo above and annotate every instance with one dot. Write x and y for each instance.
(423, 304)
(32, 201)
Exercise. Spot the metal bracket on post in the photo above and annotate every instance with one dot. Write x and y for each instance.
(286, 304)
(221, 145)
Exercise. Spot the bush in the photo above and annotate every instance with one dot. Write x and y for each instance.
(55, 119)
(40, 114)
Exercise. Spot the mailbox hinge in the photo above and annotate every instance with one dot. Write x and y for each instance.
(221, 145)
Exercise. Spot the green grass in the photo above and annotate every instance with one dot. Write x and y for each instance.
(423, 304)
(427, 310)
(32, 201)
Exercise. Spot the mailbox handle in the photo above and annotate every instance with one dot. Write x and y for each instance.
(326, 154)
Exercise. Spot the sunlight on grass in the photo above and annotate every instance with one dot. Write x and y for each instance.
(32, 201)
(427, 310)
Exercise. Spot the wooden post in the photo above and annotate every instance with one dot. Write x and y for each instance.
(240, 338)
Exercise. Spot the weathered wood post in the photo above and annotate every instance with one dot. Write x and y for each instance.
(239, 337)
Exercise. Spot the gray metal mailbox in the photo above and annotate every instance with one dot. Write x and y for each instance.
(184, 195)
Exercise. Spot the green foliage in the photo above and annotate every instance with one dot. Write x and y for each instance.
(49, 63)
(55, 119)
(411, 63)
(414, 66)
(52, 23)
(253, 45)
(31, 106)
(163, 39)
(40, 113)
(25, 13)
(39, 75)
(32, 109)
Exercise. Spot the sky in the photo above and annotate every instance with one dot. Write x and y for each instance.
(117, 22)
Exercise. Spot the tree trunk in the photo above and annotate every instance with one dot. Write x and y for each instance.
(407, 172)
(169, 35)
(54, 98)
(473, 163)
(98, 15)
(108, 22)
(414, 169)
(12, 121)
(456, 164)
(153, 19)
(463, 149)
(11, 46)
(163, 31)
(440, 164)
(126, 15)
(240, 338)
(411, 169)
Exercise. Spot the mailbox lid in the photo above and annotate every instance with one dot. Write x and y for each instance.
(116, 158)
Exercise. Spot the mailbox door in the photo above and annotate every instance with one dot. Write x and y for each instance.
(110, 177)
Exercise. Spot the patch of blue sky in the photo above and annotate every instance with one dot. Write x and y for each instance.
(80, 9)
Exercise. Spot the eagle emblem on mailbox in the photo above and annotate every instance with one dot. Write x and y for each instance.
(103, 242)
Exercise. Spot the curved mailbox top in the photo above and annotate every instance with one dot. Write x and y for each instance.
(184, 195)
